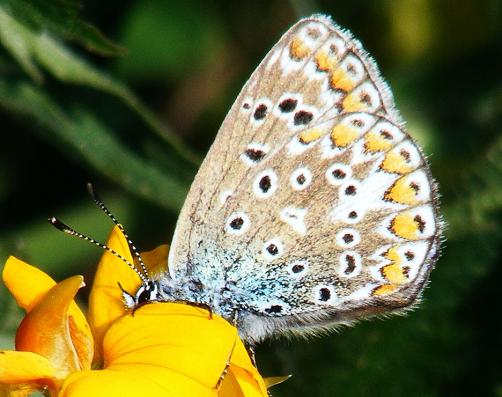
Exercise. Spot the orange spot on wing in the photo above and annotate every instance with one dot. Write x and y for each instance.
(385, 289)
(324, 62)
(402, 192)
(394, 274)
(298, 49)
(396, 163)
(310, 135)
(394, 256)
(375, 142)
(343, 135)
(353, 103)
(406, 226)
(341, 80)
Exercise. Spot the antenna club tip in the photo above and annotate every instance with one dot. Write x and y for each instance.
(92, 192)
(90, 188)
(58, 224)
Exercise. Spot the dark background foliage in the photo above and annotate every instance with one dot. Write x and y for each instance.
(135, 113)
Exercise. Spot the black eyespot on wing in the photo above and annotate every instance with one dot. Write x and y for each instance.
(314, 33)
(288, 105)
(386, 135)
(415, 187)
(409, 255)
(339, 174)
(255, 154)
(265, 184)
(324, 294)
(260, 112)
(420, 223)
(303, 117)
(350, 190)
(272, 249)
(366, 98)
(297, 268)
(301, 179)
(274, 309)
(237, 223)
(405, 154)
(351, 264)
(348, 238)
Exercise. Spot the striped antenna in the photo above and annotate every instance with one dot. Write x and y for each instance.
(132, 247)
(72, 232)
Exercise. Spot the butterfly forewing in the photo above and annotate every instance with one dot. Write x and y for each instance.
(313, 205)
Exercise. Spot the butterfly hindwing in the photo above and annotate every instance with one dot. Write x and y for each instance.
(313, 205)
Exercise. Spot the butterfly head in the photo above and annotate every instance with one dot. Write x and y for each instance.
(149, 291)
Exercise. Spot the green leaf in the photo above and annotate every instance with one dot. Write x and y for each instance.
(481, 195)
(61, 17)
(27, 47)
(95, 143)
(16, 39)
(193, 38)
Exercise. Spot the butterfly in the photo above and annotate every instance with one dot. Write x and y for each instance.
(313, 207)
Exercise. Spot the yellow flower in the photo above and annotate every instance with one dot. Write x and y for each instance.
(164, 349)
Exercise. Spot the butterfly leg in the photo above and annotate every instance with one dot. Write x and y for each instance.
(222, 376)
(202, 306)
(252, 354)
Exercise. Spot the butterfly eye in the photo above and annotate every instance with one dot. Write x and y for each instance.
(147, 293)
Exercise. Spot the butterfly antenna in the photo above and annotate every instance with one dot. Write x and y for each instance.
(72, 232)
(132, 247)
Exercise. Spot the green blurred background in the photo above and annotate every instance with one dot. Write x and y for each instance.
(136, 111)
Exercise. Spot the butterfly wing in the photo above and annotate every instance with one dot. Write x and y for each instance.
(313, 205)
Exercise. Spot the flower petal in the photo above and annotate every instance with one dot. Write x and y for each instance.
(245, 383)
(172, 336)
(230, 387)
(105, 300)
(46, 328)
(156, 259)
(29, 286)
(26, 283)
(246, 373)
(133, 380)
(275, 380)
(18, 368)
